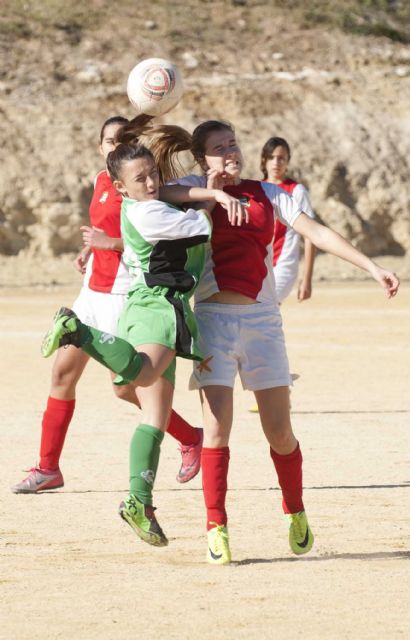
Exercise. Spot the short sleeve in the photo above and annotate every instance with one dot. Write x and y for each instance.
(301, 196)
(285, 206)
(155, 221)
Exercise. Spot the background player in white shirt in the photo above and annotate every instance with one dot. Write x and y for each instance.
(275, 157)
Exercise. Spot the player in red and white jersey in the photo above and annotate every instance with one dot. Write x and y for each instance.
(101, 299)
(275, 157)
(239, 319)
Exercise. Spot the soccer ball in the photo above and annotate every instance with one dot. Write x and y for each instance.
(154, 86)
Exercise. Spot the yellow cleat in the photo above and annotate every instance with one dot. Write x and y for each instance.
(218, 545)
(300, 536)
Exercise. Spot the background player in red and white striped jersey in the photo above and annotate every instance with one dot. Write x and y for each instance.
(101, 299)
(275, 157)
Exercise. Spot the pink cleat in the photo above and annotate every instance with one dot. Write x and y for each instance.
(191, 459)
(39, 480)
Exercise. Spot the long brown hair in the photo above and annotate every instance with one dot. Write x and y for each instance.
(166, 141)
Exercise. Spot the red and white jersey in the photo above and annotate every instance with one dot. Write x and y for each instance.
(286, 242)
(240, 258)
(106, 270)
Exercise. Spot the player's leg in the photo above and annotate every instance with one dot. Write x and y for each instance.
(264, 369)
(217, 405)
(189, 438)
(215, 377)
(67, 370)
(287, 458)
(137, 509)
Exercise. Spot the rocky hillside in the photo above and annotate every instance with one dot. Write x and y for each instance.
(331, 77)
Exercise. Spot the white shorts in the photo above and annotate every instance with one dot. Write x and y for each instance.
(99, 310)
(244, 339)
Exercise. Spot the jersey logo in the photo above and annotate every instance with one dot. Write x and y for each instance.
(104, 197)
(106, 337)
(204, 365)
(244, 201)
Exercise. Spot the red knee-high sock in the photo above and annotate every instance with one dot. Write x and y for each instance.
(56, 419)
(179, 429)
(289, 470)
(215, 464)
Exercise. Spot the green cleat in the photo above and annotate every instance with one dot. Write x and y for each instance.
(218, 545)
(142, 519)
(300, 536)
(63, 332)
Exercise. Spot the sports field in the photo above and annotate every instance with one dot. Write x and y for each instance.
(71, 568)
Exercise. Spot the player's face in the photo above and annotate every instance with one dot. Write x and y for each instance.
(223, 154)
(277, 165)
(139, 179)
(107, 143)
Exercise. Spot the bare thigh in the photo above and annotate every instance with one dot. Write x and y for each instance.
(156, 359)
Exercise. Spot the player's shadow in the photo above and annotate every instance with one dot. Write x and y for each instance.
(376, 555)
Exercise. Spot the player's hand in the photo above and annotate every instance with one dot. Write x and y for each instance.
(304, 291)
(80, 261)
(237, 212)
(216, 179)
(96, 238)
(388, 280)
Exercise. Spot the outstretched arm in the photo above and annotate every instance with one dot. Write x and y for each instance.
(330, 241)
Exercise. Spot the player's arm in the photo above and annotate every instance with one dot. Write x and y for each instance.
(98, 239)
(305, 285)
(80, 261)
(180, 194)
(330, 241)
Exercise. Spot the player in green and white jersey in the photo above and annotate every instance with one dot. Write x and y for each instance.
(164, 248)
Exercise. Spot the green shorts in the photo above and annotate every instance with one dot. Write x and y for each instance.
(150, 317)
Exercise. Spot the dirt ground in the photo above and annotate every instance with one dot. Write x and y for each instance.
(71, 568)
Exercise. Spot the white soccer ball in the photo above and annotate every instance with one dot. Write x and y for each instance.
(154, 86)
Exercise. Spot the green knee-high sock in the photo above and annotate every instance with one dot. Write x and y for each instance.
(112, 352)
(144, 457)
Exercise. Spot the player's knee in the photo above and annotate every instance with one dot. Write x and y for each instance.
(280, 435)
(63, 378)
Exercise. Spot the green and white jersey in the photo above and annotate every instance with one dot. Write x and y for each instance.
(163, 246)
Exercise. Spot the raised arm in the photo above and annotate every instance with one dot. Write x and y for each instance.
(180, 194)
(330, 241)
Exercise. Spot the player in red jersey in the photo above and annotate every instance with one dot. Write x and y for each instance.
(104, 291)
(239, 319)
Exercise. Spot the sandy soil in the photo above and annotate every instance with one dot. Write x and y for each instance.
(70, 568)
